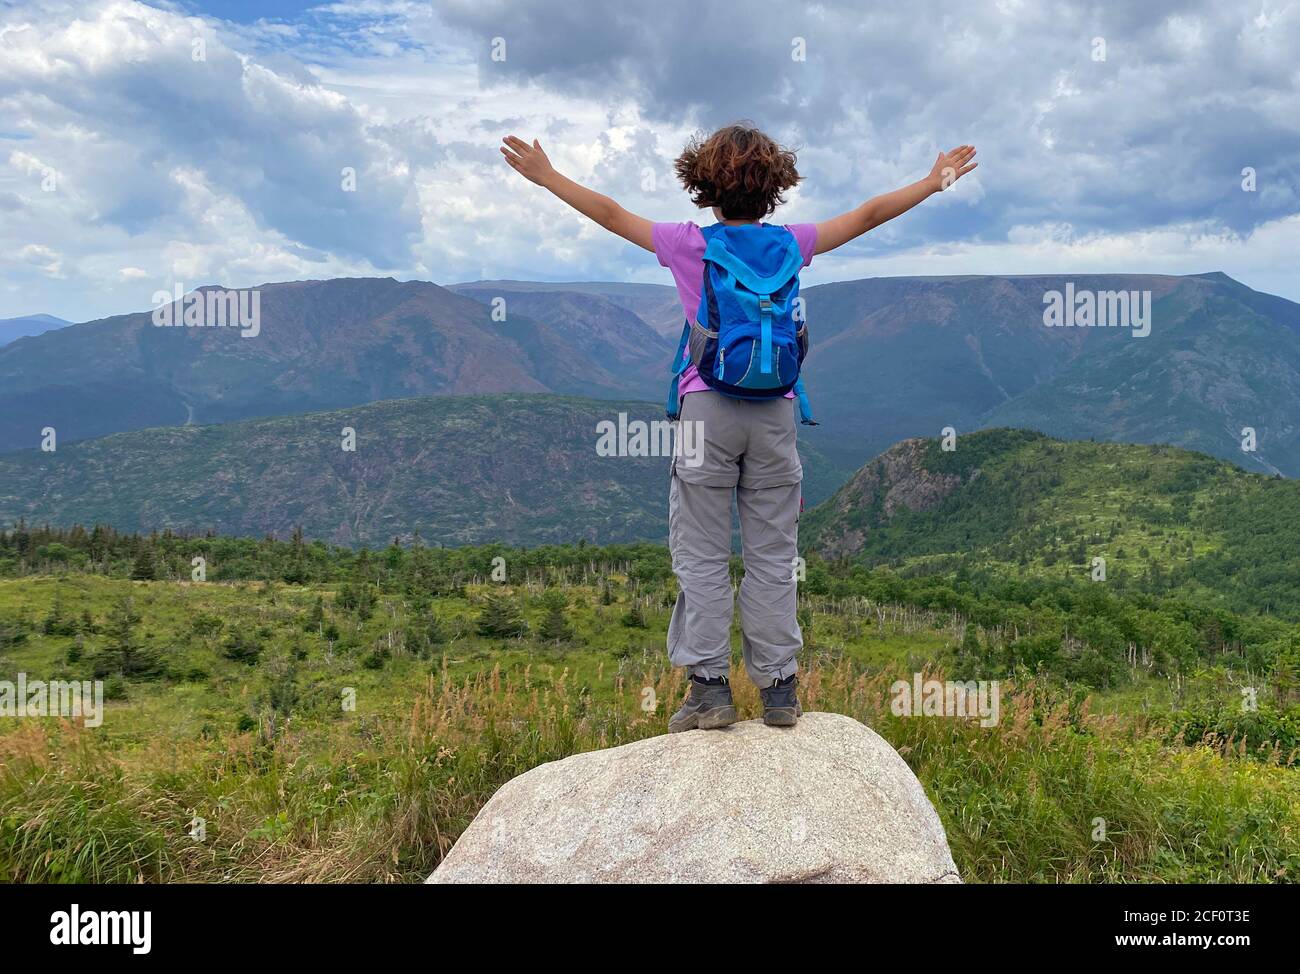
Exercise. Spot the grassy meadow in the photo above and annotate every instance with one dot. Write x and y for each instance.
(347, 726)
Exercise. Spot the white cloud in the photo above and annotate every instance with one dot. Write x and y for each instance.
(163, 158)
(1263, 259)
(46, 260)
(229, 169)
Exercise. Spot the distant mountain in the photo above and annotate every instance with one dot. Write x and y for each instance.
(1220, 358)
(12, 329)
(1022, 504)
(655, 304)
(605, 331)
(891, 358)
(899, 357)
(320, 345)
(520, 469)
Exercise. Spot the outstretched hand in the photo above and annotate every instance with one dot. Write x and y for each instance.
(531, 163)
(950, 166)
(527, 160)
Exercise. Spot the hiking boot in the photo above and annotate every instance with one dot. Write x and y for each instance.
(781, 703)
(708, 706)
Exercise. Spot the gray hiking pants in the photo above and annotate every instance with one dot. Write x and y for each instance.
(745, 448)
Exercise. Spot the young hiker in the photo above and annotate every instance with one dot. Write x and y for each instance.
(736, 370)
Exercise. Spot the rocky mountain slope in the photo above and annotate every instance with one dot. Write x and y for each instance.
(517, 469)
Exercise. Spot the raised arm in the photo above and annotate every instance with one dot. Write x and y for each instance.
(947, 169)
(531, 163)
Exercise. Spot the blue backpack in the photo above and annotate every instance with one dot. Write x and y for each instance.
(748, 340)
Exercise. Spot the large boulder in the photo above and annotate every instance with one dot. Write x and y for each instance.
(828, 801)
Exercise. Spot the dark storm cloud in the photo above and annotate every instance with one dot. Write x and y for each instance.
(1188, 94)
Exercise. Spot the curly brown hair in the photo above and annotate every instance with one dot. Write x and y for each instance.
(738, 169)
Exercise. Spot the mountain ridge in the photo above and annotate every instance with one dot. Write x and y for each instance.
(892, 357)
(319, 345)
(26, 326)
(513, 468)
(1018, 504)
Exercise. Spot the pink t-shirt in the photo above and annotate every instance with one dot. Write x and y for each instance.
(680, 248)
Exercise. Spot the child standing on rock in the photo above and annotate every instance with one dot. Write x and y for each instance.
(734, 377)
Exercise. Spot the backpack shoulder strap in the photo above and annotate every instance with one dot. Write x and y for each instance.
(805, 407)
(672, 406)
(762, 260)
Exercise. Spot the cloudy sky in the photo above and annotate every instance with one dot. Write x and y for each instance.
(203, 141)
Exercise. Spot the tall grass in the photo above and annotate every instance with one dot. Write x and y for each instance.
(1051, 794)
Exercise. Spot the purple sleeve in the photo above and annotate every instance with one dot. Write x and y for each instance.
(806, 235)
(667, 239)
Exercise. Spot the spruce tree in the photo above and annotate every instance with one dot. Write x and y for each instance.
(424, 632)
(124, 653)
(501, 618)
(555, 625)
(634, 618)
(144, 569)
(242, 647)
(316, 617)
